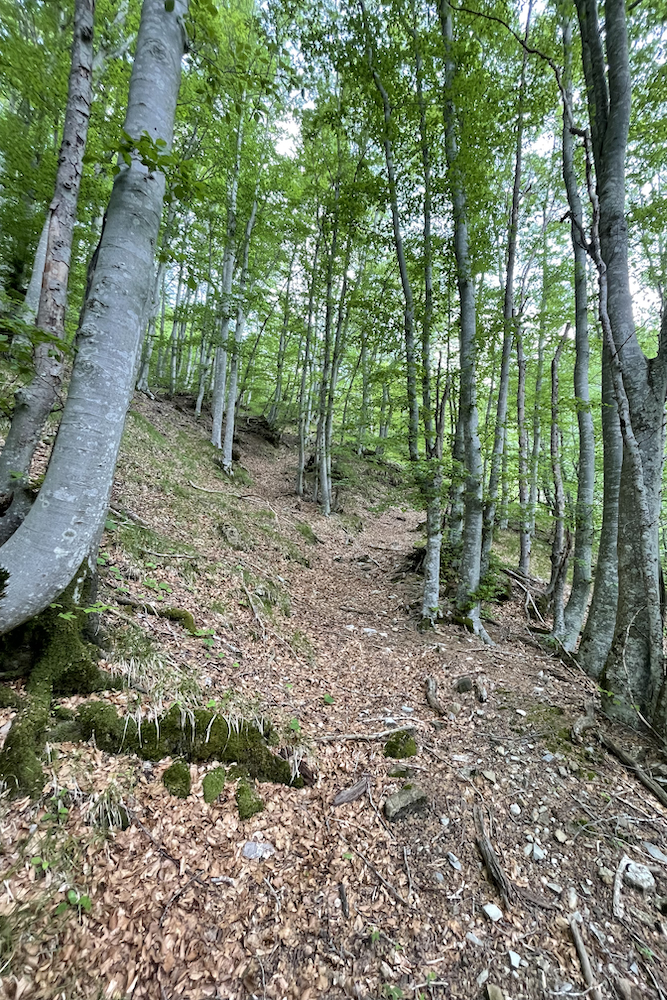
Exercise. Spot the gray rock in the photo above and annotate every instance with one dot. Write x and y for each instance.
(493, 912)
(515, 809)
(463, 684)
(409, 799)
(555, 887)
(455, 709)
(639, 877)
(454, 861)
(494, 992)
(473, 939)
(572, 899)
(538, 853)
(654, 852)
(258, 851)
(444, 821)
(515, 960)
(560, 836)
(482, 977)
(439, 877)
(563, 771)
(605, 875)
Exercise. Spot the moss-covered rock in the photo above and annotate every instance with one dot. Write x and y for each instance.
(176, 779)
(9, 698)
(247, 800)
(401, 744)
(213, 783)
(180, 615)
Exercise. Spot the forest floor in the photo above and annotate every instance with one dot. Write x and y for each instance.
(312, 622)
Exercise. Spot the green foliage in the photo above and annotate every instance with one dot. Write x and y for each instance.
(247, 800)
(176, 779)
(213, 784)
(402, 744)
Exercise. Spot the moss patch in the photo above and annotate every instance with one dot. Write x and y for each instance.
(247, 800)
(213, 784)
(307, 532)
(400, 745)
(176, 779)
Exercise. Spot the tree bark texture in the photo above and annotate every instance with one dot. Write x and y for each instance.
(67, 518)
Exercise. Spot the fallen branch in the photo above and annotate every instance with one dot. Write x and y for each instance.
(625, 758)
(124, 512)
(592, 987)
(253, 608)
(205, 490)
(618, 909)
(529, 596)
(432, 696)
(388, 886)
(364, 737)
(507, 891)
(584, 722)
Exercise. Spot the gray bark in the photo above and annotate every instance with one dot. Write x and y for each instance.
(525, 538)
(304, 388)
(560, 545)
(33, 294)
(35, 401)
(43, 555)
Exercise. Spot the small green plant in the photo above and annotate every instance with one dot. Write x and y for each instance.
(74, 900)
(40, 864)
(392, 992)
(295, 726)
(375, 936)
(328, 699)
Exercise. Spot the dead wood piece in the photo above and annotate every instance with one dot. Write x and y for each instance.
(252, 606)
(205, 490)
(179, 892)
(343, 900)
(508, 892)
(432, 696)
(592, 987)
(354, 792)
(618, 909)
(529, 597)
(124, 512)
(365, 737)
(584, 722)
(481, 685)
(388, 886)
(625, 758)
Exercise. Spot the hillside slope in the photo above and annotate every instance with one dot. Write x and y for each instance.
(309, 622)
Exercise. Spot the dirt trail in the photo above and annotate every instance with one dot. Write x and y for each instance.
(343, 903)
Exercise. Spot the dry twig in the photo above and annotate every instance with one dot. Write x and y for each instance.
(388, 886)
(617, 906)
(625, 758)
(431, 686)
(592, 987)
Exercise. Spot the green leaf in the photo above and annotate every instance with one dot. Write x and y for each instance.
(85, 903)
(73, 896)
(36, 861)
(61, 907)
(328, 699)
(169, 6)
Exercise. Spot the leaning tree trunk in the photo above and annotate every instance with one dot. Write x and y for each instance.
(66, 520)
(560, 549)
(35, 401)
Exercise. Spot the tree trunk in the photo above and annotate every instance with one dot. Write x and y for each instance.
(560, 548)
(35, 401)
(524, 487)
(66, 520)
(304, 389)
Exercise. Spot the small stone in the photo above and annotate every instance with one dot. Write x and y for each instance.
(654, 852)
(258, 851)
(515, 809)
(538, 853)
(493, 912)
(389, 721)
(527, 849)
(409, 799)
(490, 776)
(444, 821)
(515, 960)
(555, 887)
(563, 771)
(482, 977)
(454, 861)
(455, 709)
(639, 877)
(494, 992)
(548, 757)
(560, 836)
(407, 708)
(521, 712)
(605, 876)
(473, 939)
(463, 684)
(572, 899)
(369, 631)
(439, 877)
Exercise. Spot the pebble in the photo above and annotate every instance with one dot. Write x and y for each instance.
(454, 861)
(538, 853)
(439, 877)
(254, 851)
(515, 809)
(521, 712)
(463, 684)
(444, 821)
(555, 887)
(389, 721)
(369, 631)
(606, 876)
(407, 708)
(490, 776)
(560, 836)
(563, 771)
(572, 898)
(494, 992)
(473, 939)
(548, 757)
(515, 960)
(493, 912)
(482, 977)
(639, 877)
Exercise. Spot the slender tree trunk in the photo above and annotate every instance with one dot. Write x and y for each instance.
(560, 551)
(35, 401)
(304, 389)
(524, 487)
(583, 544)
(467, 602)
(65, 522)
(32, 296)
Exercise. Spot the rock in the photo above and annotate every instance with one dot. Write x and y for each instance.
(258, 851)
(369, 631)
(606, 875)
(454, 861)
(493, 912)
(538, 853)
(494, 992)
(555, 887)
(560, 836)
(521, 712)
(548, 757)
(463, 684)
(639, 877)
(515, 960)
(247, 800)
(213, 784)
(409, 799)
(490, 776)
(473, 939)
(400, 745)
(482, 977)
(176, 779)
(439, 877)
(515, 809)
(455, 709)
(563, 771)
(572, 899)
(654, 852)
(444, 821)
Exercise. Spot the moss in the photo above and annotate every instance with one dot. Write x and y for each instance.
(176, 779)
(307, 532)
(181, 616)
(213, 784)
(247, 800)
(400, 745)
(9, 698)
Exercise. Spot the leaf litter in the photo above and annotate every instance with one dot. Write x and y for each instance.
(318, 895)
